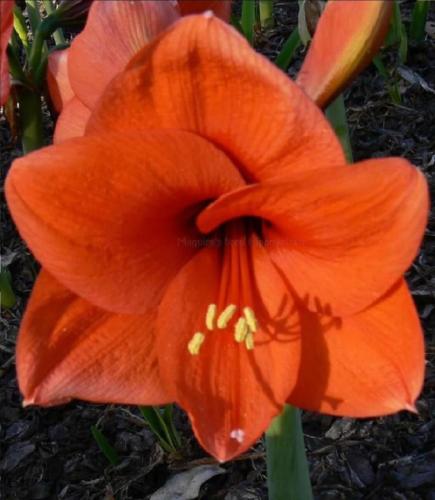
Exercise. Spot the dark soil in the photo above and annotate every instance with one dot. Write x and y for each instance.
(50, 453)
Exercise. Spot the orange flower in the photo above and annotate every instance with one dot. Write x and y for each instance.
(347, 36)
(114, 32)
(206, 243)
(6, 25)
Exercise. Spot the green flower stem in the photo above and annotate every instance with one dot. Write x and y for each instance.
(34, 14)
(32, 136)
(58, 35)
(266, 13)
(336, 114)
(38, 52)
(287, 468)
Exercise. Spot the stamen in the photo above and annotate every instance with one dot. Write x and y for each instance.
(211, 316)
(249, 341)
(226, 315)
(250, 319)
(241, 330)
(195, 343)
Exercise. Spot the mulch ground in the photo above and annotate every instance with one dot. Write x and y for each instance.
(50, 453)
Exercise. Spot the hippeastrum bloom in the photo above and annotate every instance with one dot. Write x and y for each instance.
(206, 243)
(6, 25)
(114, 32)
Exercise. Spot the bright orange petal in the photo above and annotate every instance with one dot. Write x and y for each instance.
(72, 121)
(6, 25)
(112, 218)
(69, 349)
(203, 76)
(365, 365)
(342, 239)
(348, 35)
(221, 8)
(58, 80)
(114, 32)
(230, 393)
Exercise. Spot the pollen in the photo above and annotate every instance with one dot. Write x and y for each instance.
(241, 330)
(195, 343)
(211, 316)
(226, 315)
(249, 341)
(250, 319)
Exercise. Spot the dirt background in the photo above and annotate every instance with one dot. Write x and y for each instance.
(51, 454)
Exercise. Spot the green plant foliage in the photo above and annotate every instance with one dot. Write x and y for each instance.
(104, 445)
(288, 50)
(417, 27)
(161, 424)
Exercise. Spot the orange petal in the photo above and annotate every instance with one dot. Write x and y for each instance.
(221, 8)
(72, 121)
(203, 76)
(69, 349)
(342, 239)
(112, 217)
(58, 80)
(364, 365)
(6, 25)
(114, 32)
(230, 393)
(348, 35)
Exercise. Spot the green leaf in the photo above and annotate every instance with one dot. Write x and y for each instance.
(336, 114)
(417, 29)
(7, 296)
(265, 8)
(288, 50)
(247, 21)
(287, 469)
(160, 426)
(104, 445)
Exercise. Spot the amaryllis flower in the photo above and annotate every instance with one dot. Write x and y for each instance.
(6, 25)
(114, 32)
(206, 243)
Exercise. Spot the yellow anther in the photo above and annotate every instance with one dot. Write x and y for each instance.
(241, 330)
(250, 319)
(211, 316)
(249, 341)
(195, 343)
(226, 315)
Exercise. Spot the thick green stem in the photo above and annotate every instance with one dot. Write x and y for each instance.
(287, 468)
(266, 13)
(34, 14)
(58, 35)
(336, 114)
(32, 136)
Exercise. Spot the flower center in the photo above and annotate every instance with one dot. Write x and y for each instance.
(233, 313)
